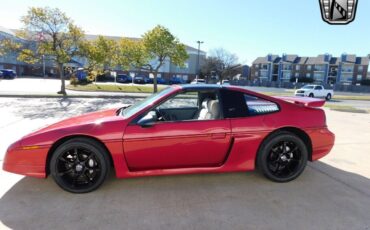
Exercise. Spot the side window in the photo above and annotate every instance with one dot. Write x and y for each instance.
(181, 100)
(259, 106)
(318, 87)
(190, 105)
(237, 104)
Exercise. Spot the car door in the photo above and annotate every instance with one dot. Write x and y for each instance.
(178, 143)
(319, 92)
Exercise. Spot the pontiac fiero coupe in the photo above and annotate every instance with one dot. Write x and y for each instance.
(181, 129)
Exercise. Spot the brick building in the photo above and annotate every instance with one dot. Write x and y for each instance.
(347, 69)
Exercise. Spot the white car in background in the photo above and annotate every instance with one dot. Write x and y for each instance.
(198, 81)
(224, 82)
(315, 91)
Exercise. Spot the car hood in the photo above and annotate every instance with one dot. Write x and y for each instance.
(87, 118)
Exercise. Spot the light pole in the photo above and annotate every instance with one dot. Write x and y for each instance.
(43, 65)
(198, 69)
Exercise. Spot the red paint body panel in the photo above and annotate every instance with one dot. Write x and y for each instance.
(177, 144)
(305, 101)
(224, 145)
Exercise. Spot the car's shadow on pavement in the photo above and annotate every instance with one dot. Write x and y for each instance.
(323, 197)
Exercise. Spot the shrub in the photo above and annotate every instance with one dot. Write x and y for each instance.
(73, 80)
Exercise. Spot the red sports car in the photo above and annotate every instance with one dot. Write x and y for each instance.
(182, 129)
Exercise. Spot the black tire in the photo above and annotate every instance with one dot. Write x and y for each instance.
(80, 165)
(311, 95)
(276, 162)
(328, 97)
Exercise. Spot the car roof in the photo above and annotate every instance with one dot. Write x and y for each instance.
(202, 86)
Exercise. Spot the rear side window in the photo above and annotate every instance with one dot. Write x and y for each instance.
(237, 104)
(258, 106)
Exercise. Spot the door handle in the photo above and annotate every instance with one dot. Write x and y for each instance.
(218, 136)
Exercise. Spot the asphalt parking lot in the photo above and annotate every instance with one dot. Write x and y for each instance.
(333, 193)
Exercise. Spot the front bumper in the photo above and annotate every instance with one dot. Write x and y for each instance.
(28, 162)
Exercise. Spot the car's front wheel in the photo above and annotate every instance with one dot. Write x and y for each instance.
(79, 165)
(328, 97)
(282, 157)
(311, 95)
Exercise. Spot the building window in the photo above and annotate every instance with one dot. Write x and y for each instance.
(347, 68)
(286, 76)
(264, 66)
(359, 77)
(319, 77)
(256, 73)
(360, 68)
(319, 68)
(309, 67)
(287, 67)
(308, 75)
(263, 74)
(346, 78)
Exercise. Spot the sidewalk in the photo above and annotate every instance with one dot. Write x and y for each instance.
(36, 88)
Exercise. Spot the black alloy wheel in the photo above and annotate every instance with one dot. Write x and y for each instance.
(79, 165)
(282, 157)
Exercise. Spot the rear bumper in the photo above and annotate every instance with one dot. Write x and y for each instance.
(322, 142)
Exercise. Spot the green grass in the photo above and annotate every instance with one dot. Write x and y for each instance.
(115, 88)
(345, 108)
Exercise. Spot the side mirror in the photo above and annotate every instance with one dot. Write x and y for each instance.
(148, 120)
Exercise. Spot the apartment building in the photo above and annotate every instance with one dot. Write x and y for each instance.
(346, 69)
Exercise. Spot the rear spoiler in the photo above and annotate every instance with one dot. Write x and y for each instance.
(304, 101)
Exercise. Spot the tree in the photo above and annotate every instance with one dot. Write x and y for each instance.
(160, 45)
(220, 62)
(53, 34)
(100, 53)
(131, 54)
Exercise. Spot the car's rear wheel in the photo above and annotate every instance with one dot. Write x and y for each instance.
(282, 157)
(328, 97)
(79, 165)
(311, 95)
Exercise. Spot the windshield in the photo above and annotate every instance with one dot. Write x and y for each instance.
(128, 112)
(307, 87)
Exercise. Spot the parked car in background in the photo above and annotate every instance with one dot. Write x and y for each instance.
(161, 81)
(8, 73)
(123, 78)
(141, 79)
(224, 82)
(176, 80)
(315, 91)
(198, 81)
(106, 77)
